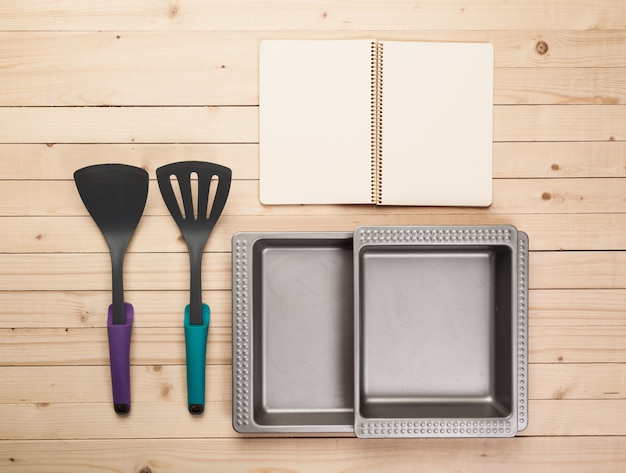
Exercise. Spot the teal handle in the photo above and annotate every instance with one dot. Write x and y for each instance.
(195, 344)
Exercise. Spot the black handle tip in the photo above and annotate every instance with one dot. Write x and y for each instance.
(196, 409)
(122, 409)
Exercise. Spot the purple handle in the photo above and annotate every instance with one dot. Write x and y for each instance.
(119, 355)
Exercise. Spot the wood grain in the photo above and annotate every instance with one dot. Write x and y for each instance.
(58, 346)
(518, 196)
(240, 124)
(577, 307)
(170, 271)
(89, 346)
(167, 383)
(510, 160)
(84, 309)
(308, 455)
(315, 15)
(157, 235)
(578, 381)
(91, 384)
(171, 420)
(148, 83)
(229, 65)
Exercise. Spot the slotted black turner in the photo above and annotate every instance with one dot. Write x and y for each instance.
(115, 196)
(196, 220)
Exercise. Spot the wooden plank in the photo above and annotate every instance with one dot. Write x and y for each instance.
(170, 271)
(318, 15)
(564, 417)
(171, 420)
(84, 309)
(577, 307)
(54, 346)
(578, 270)
(89, 384)
(97, 420)
(590, 344)
(572, 85)
(41, 161)
(558, 159)
(158, 235)
(577, 381)
(128, 125)
(167, 383)
(306, 455)
(142, 271)
(23, 50)
(515, 196)
(201, 69)
(89, 346)
(510, 160)
(240, 124)
(560, 123)
(225, 72)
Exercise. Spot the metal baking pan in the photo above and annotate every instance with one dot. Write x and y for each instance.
(293, 338)
(440, 331)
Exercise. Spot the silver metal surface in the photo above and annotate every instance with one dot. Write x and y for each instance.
(437, 331)
(293, 332)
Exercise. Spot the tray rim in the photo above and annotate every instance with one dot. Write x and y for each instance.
(450, 235)
(243, 337)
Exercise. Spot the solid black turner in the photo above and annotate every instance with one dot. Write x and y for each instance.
(115, 196)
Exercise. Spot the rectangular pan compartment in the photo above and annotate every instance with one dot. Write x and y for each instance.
(293, 364)
(440, 329)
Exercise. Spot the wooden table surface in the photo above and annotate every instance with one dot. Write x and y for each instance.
(151, 82)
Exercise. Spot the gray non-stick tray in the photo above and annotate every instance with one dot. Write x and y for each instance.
(293, 355)
(440, 325)
(384, 332)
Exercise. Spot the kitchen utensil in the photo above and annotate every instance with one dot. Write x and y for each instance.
(115, 196)
(387, 332)
(293, 330)
(196, 219)
(440, 327)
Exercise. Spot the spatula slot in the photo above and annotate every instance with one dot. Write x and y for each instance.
(176, 188)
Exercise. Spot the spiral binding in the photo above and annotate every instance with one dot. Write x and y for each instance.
(377, 122)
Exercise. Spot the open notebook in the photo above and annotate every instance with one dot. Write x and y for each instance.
(381, 122)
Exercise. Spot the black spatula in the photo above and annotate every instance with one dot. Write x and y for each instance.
(115, 196)
(196, 220)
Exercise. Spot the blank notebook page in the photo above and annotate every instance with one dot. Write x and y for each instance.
(437, 123)
(315, 123)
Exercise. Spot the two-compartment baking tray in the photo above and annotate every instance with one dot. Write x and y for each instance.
(384, 332)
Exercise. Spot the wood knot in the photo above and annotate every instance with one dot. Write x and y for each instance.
(156, 368)
(560, 358)
(146, 469)
(561, 393)
(555, 167)
(165, 390)
(541, 47)
(546, 196)
(173, 11)
(49, 145)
